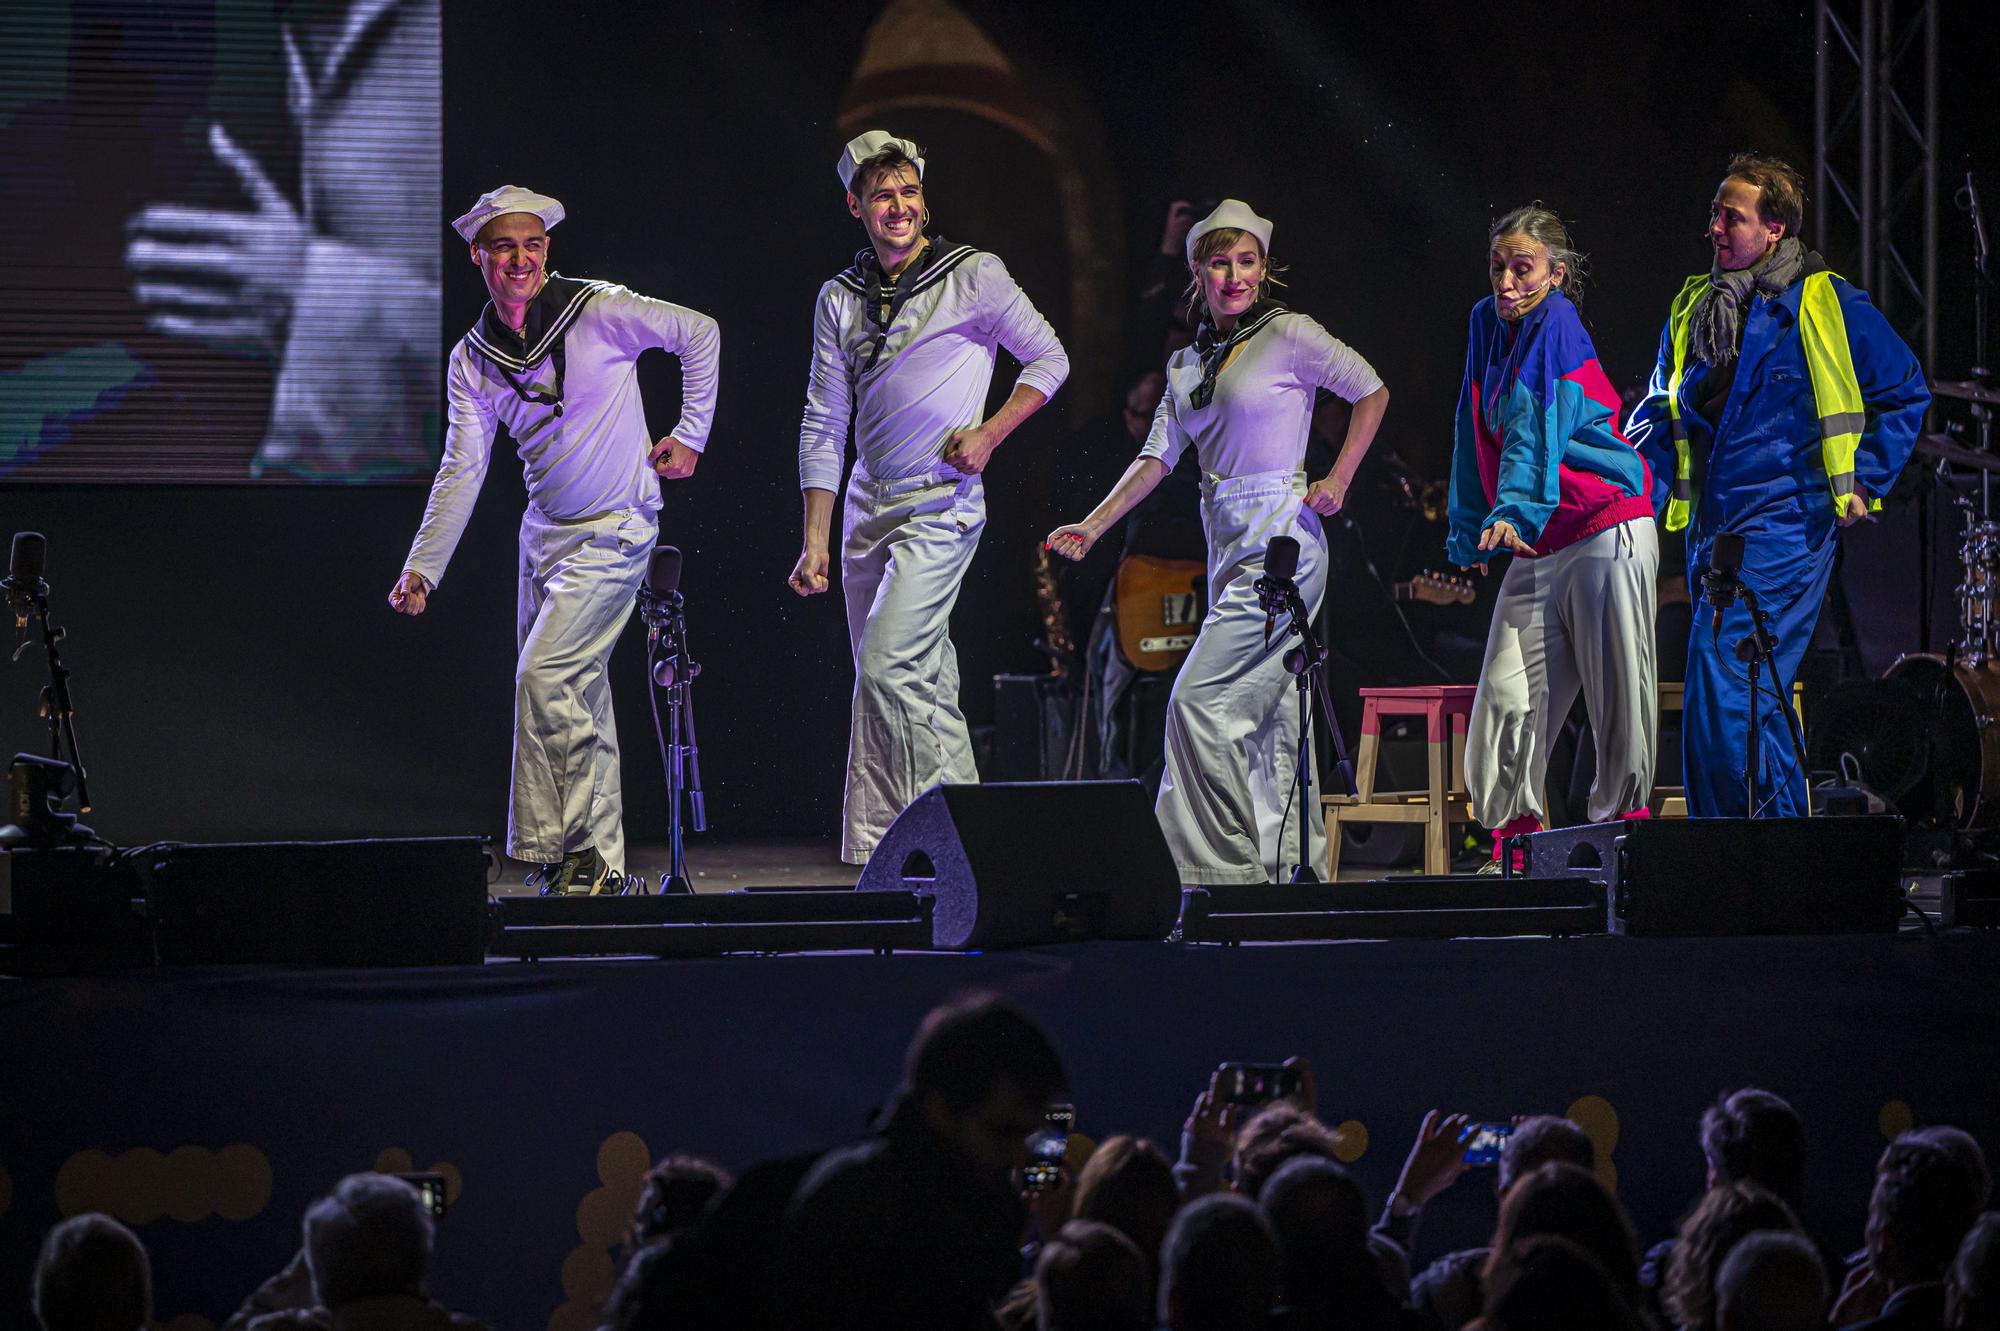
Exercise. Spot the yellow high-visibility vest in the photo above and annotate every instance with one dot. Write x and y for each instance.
(1836, 390)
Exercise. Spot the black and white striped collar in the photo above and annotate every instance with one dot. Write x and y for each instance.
(1212, 346)
(555, 308)
(938, 260)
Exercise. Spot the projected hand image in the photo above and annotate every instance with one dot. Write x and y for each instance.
(228, 278)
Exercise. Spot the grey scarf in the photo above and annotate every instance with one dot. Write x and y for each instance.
(1718, 320)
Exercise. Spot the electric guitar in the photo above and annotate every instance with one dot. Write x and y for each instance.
(1158, 604)
(1434, 589)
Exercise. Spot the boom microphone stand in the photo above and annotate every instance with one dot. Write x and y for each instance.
(1278, 593)
(672, 670)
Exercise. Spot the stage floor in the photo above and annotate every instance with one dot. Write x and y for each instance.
(727, 865)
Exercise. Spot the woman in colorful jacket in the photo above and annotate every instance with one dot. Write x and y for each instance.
(1242, 397)
(1540, 471)
(1782, 406)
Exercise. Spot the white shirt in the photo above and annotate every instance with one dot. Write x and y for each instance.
(1261, 414)
(932, 375)
(592, 458)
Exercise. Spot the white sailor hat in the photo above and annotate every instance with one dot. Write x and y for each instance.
(507, 199)
(1234, 214)
(864, 146)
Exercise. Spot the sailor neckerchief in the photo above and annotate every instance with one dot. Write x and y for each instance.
(550, 314)
(1214, 348)
(883, 297)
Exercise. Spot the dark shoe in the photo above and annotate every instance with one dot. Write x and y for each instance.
(582, 873)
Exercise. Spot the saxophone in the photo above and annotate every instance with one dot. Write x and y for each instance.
(1056, 643)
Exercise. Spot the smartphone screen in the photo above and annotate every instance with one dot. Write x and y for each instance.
(1047, 1148)
(1485, 1142)
(431, 1188)
(1255, 1083)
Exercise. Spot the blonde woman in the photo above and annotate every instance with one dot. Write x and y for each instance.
(1242, 397)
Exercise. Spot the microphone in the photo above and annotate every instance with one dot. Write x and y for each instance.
(1281, 565)
(660, 607)
(1725, 562)
(663, 575)
(23, 583)
(1281, 558)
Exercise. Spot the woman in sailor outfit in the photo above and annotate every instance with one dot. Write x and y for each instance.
(1242, 395)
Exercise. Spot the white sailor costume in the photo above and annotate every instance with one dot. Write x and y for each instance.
(911, 523)
(1232, 725)
(567, 391)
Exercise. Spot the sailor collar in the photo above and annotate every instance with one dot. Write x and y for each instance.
(554, 308)
(550, 315)
(883, 297)
(930, 268)
(1213, 347)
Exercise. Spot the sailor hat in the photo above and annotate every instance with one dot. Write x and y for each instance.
(864, 146)
(507, 199)
(1233, 214)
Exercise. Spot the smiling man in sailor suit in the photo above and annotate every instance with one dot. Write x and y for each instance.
(554, 360)
(903, 345)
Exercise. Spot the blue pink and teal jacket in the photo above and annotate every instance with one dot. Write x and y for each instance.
(1537, 441)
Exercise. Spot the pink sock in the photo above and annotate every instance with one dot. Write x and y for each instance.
(1521, 826)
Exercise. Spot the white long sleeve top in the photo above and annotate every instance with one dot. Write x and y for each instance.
(933, 372)
(1261, 414)
(591, 459)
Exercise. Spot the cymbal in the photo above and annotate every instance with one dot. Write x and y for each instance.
(1967, 390)
(1957, 454)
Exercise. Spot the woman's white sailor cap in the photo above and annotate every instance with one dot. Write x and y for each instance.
(507, 199)
(864, 146)
(1233, 214)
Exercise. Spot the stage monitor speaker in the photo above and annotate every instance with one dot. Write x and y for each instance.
(1709, 877)
(418, 902)
(1011, 864)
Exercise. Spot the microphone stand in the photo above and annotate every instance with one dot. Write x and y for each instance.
(1306, 663)
(57, 705)
(1753, 650)
(671, 670)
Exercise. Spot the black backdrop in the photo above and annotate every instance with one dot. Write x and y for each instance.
(237, 670)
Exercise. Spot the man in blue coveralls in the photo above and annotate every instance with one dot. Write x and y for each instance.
(1782, 407)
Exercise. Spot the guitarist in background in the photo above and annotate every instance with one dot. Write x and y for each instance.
(1166, 524)
(1541, 472)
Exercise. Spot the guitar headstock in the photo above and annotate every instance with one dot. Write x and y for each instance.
(1436, 589)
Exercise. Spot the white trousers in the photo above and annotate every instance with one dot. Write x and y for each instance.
(906, 547)
(1232, 722)
(1581, 618)
(578, 580)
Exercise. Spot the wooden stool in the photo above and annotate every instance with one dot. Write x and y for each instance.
(1671, 801)
(1446, 709)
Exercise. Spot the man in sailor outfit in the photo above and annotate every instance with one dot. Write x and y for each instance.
(553, 359)
(903, 347)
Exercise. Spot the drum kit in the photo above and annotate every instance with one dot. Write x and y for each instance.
(1943, 710)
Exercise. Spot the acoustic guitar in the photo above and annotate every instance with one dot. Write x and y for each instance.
(1158, 604)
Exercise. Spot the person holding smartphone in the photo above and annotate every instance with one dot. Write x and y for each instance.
(1540, 472)
(1242, 396)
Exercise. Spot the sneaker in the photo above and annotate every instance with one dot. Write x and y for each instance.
(1490, 869)
(581, 873)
